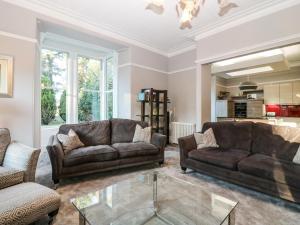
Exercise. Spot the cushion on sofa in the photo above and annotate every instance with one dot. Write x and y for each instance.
(226, 158)
(231, 135)
(91, 133)
(278, 142)
(135, 149)
(272, 169)
(10, 177)
(4, 142)
(122, 130)
(90, 154)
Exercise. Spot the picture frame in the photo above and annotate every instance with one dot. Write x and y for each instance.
(6, 76)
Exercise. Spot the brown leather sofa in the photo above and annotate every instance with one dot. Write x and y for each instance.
(108, 146)
(254, 155)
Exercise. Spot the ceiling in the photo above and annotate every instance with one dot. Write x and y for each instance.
(288, 58)
(130, 20)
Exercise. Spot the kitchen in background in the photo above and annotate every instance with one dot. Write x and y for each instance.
(261, 87)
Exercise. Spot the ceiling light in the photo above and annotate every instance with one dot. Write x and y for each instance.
(251, 71)
(187, 10)
(156, 6)
(259, 55)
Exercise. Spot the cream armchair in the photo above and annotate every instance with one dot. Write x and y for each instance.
(16, 160)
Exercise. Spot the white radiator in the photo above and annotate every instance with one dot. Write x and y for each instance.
(181, 130)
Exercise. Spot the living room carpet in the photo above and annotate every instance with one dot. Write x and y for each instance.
(254, 208)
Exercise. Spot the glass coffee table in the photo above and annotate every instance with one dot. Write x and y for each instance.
(154, 198)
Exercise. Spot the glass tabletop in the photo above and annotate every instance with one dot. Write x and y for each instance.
(154, 198)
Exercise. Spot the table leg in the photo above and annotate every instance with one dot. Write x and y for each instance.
(82, 220)
(231, 218)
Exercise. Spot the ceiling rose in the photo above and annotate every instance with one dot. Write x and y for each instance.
(187, 10)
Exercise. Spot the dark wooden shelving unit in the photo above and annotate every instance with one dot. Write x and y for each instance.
(154, 110)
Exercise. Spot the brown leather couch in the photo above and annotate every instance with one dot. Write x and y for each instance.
(254, 155)
(108, 146)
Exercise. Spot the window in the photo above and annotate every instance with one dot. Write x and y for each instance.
(53, 87)
(89, 92)
(109, 78)
(75, 88)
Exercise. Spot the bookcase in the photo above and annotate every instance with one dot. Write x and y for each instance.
(154, 109)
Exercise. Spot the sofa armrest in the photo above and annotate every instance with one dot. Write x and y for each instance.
(186, 144)
(56, 155)
(22, 157)
(159, 140)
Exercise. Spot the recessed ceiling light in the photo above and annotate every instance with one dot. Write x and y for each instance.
(259, 55)
(251, 71)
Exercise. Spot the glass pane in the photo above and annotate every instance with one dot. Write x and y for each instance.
(109, 74)
(53, 87)
(89, 97)
(109, 105)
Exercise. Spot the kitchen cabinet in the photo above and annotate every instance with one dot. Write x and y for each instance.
(221, 108)
(296, 92)
(254, 108)
(286, 93)
(271, 93)
(224, 108)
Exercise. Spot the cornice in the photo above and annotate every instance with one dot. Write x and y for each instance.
(197, 34)
(253, 13)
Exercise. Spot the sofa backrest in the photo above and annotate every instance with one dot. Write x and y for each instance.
(232, 135)
(276, 141)
(90, 133)
(122, 130)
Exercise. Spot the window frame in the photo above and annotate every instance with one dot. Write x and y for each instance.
(72, 79)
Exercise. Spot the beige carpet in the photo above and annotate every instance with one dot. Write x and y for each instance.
(254, 208)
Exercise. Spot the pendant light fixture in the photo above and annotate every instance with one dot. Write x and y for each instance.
(187, 10)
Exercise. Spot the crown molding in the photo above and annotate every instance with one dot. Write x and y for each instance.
(20, 37)
(254, 13)
(75, 19)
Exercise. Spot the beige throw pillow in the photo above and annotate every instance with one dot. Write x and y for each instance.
(142, 134)
(296, 158)
(70, 141)
(207, 139)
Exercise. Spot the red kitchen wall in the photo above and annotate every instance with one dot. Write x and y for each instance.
(284, 110)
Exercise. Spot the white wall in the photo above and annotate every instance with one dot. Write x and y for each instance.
(182, 86)
(17, 113)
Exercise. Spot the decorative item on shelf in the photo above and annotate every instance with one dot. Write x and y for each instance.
(187, 10)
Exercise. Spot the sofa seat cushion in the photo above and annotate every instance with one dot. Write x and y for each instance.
(220, 157)
(90, 154)
(272, 169)
(10, 177)
(135, 149)
(26, 203)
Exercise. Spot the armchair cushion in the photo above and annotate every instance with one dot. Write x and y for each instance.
(22, 157)
(4, 142)
(10, 177)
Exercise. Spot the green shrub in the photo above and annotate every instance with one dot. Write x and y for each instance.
(62, 106)
(48, 106)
